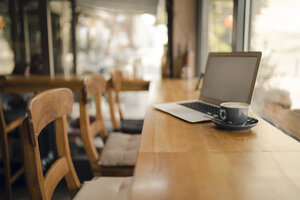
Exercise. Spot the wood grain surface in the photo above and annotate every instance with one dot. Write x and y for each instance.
(179, 160)
(22, 84)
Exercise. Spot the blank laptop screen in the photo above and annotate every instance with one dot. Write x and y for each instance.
(230, 78)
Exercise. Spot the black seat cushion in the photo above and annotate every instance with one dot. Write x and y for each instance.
(14, 106)
(132, 126)
(11, 115)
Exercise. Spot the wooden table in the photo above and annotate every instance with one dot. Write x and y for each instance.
(21, 84)
(179, 160)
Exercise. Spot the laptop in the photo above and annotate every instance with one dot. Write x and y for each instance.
(228, 77)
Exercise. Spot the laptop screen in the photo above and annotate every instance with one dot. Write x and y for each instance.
(230, 77)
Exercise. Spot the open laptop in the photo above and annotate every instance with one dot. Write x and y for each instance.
(228, 77)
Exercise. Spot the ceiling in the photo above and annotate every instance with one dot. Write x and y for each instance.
(134, 6)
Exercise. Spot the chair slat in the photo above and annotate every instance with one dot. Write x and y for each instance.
(16, 175)
(85, 128)
(95, 128)
(16, 123)
(54, 175)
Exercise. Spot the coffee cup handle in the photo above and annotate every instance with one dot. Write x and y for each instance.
(222, 114)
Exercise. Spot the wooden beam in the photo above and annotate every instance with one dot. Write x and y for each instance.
(73, 38)
(46, 37)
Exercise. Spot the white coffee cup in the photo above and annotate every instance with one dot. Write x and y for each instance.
(235, 113)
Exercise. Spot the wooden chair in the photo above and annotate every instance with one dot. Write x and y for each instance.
(133, 126)
(6, 128)
(119, 153)
(46, 107)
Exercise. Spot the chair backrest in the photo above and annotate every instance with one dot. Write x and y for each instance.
(11, 125)
(46, 107)
(95, 87)
(118, 84)
(2, 122)
(5, 129)
(117, 78)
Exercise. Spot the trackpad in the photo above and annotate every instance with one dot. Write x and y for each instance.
(194, 117)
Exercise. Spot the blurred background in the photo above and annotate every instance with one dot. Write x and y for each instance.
(151, 39)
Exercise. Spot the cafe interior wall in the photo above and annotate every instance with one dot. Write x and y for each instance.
(184, 36)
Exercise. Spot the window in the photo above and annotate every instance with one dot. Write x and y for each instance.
(61, 15)
(110, 39)
(220, 25)
(216, 28)
(6, 51)
(275, 31)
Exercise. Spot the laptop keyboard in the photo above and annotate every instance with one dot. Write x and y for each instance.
(202, 107)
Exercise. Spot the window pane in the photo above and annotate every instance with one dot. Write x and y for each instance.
(220, 25)
(216, 28)
(275, 31)
(61, 15)
(115, 39)
(6, 51)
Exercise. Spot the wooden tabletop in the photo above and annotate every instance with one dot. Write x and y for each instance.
(15, 83)
(20, 84)
(179, 160)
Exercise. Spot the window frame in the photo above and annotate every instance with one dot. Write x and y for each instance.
(240, 33)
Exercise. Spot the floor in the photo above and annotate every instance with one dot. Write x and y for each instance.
(20, 192)
(61, 193)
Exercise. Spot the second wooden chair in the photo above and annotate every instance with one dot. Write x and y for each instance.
(118, 156)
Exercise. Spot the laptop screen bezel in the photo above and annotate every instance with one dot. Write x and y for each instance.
(231, 54)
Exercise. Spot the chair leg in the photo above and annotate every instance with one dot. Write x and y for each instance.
(6, 163)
